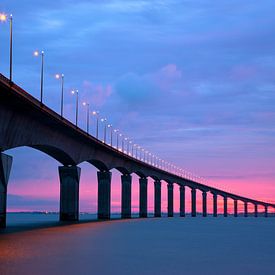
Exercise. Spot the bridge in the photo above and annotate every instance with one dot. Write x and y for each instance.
(25, 121)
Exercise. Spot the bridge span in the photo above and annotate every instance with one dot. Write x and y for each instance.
(25, 121)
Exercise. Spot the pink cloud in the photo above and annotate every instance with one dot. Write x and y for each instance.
(97, 93)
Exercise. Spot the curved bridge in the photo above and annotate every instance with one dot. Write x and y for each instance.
(24, 121)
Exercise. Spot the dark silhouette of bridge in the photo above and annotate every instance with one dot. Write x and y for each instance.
(25, 121)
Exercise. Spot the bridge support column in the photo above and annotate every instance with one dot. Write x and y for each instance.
(69, 193)
(126, 184)
(182, 201)
(225, 214)
(193, 201)
(170, 189)
(204, 204)
(245, 209)
(266, 211)
(256, 210)
(157, 201)
(104, 195)
(143, 182)
(5, 168)
(235, 208)
(215, 205)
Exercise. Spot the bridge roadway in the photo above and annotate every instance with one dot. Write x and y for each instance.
(25, 121)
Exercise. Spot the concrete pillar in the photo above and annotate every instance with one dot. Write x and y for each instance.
(245, 209)
(266, 211)
(5, 168)
(204, 204)
(143, 182)
(215, 205)
(256, 210)
(157, 201)
(182, 201)
(126, 196)
(69, 193)
(225, 214)
(104, 195)
(235, 208)
(170, 193)
(193, 201)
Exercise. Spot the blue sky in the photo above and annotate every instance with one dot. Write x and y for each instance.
(192, 81)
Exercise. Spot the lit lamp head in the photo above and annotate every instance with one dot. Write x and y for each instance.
(3, 17)
(95, 113)
(37, 53)
(74, 92)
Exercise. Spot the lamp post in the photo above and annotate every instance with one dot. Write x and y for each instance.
(88, 115)
(96, 113)
(61, 76)
(75, 92)
(133, 146)
(122, 143)
(11, 41)
(105, 128)
(4, 18)
(36, 54)
(127, 145)
(111, 133)
(116, 131)
(139, 148)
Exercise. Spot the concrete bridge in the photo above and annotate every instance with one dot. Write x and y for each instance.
(25, 121)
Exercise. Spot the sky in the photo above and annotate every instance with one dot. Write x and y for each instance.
(191, 81)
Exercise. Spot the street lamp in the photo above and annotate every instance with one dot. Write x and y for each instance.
(4, 18)
(75, 92)
(122, 143)
(133, 146)
(61, 76)
(88, 115)
(105, 128)
(36, 54)
(96, 113)
(139, 148)
(127, 145)
(111, 133)
(116, 131)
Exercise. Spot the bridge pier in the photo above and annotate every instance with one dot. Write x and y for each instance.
(143, 182)
(170, 191)
(235, 208)
(126, 184)
(266, 211)
(256, 210)
(215, 205)
(225, 214)
(193, 202)
(104, 195)
(157, 201)
(182, 201)
(245, 209)
(69, 193)
(204, 204)
(5, 168)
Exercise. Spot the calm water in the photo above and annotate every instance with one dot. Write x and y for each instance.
(139, 246)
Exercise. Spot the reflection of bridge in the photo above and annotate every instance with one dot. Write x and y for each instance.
(24, 121)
